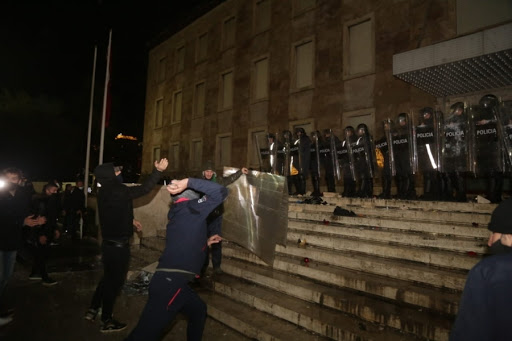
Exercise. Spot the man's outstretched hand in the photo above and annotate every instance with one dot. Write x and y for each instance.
(161, 165)
(177, 186)
(214, 239)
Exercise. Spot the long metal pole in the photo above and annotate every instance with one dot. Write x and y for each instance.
(87, 154)
(105, 95)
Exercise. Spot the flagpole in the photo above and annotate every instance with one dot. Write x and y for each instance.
(105, 97)
(87, 155)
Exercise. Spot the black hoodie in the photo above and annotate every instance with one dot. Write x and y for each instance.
(115, 204)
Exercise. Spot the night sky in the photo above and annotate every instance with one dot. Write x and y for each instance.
(45, 76)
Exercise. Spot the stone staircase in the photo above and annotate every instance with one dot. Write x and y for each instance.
(393, 272)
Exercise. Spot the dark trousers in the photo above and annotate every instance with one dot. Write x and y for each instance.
(213, 228)
(40, 255)
(115, 267)
(169, 294)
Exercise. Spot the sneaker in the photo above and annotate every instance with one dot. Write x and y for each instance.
(5, 320)
(218, 271)
(35, 277)
(48, 282)
(112, 325)
(90, 315)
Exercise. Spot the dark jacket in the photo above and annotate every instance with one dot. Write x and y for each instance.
(484, 311)
(47, 206)
(115, 204)
(186, 231)
(13, 211)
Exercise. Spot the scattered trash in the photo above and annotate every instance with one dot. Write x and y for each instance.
(306, 261)
(326, 222)
(314, 201)
(343, 212)
(139, 285)
(302, 242)
(474, 224)
(472, 253)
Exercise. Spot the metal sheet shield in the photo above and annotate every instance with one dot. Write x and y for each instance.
(256, 213)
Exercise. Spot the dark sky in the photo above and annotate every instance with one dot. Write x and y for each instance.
(45, 75)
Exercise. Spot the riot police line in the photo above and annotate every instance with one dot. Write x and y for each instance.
(468, 141)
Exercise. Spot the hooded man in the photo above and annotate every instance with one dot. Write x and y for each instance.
(214, 220)
(484, 311)
(115, 208)
(181, 261)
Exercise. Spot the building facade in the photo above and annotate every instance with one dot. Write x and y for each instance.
(250, 67)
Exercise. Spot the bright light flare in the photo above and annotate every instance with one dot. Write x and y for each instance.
(3, 183)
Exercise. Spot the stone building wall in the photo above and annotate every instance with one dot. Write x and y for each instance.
(334, 96)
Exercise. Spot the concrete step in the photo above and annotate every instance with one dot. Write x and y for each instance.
(427, 240)
(368, 276)
(410, 320)
(253, 323)
(393, 224)
(428, 256)
(401, 213)
(466, 207)
(320, 320)
(397, 269)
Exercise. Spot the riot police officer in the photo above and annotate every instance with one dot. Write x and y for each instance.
(347, 162)
(301, 156)
(364, 157)
(316, 145)
(328, 153)
(384, 148)
(488, 147)
(427, 148)
(402, 144)
(455, 153)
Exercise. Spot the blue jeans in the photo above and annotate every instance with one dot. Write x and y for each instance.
(7, 261)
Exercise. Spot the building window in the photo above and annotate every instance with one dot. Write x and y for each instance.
(202, 48)
(228, 33)
(359, 51)
(180, 59)
(199, 97)
(176, 107)
(260, 79)
(301, 6)
(226, 95)
(223, 150)
(262, 15)
(159, 112)
(161, 69)
(304, 64)
(174, 156)
(156, 153)
(196, 154)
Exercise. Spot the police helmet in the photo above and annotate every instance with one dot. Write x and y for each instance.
(362, 129)
(455, 107)
(488, 101)
(402, 117)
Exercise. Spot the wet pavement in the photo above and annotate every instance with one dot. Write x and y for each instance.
(56, 313)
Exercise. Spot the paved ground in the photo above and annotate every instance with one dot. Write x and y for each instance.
(56, 313)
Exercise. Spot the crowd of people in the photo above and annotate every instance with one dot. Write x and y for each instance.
(443, 151)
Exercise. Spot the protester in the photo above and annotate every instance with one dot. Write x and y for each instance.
(484, 311)
(44, 205)
(14, 214)
(181, 261)
(214, 220)
(115, 209)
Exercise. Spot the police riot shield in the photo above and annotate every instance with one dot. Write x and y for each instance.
(276, 158)
(384, 148)
(455, 144)
(287, 158)
(438, 138)
(504, 124)
(333, 148)
(315, 151)
(486, 142)
(348, 144)
(403, 147)
(363, 152)
(263, 150)
(428, 139)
